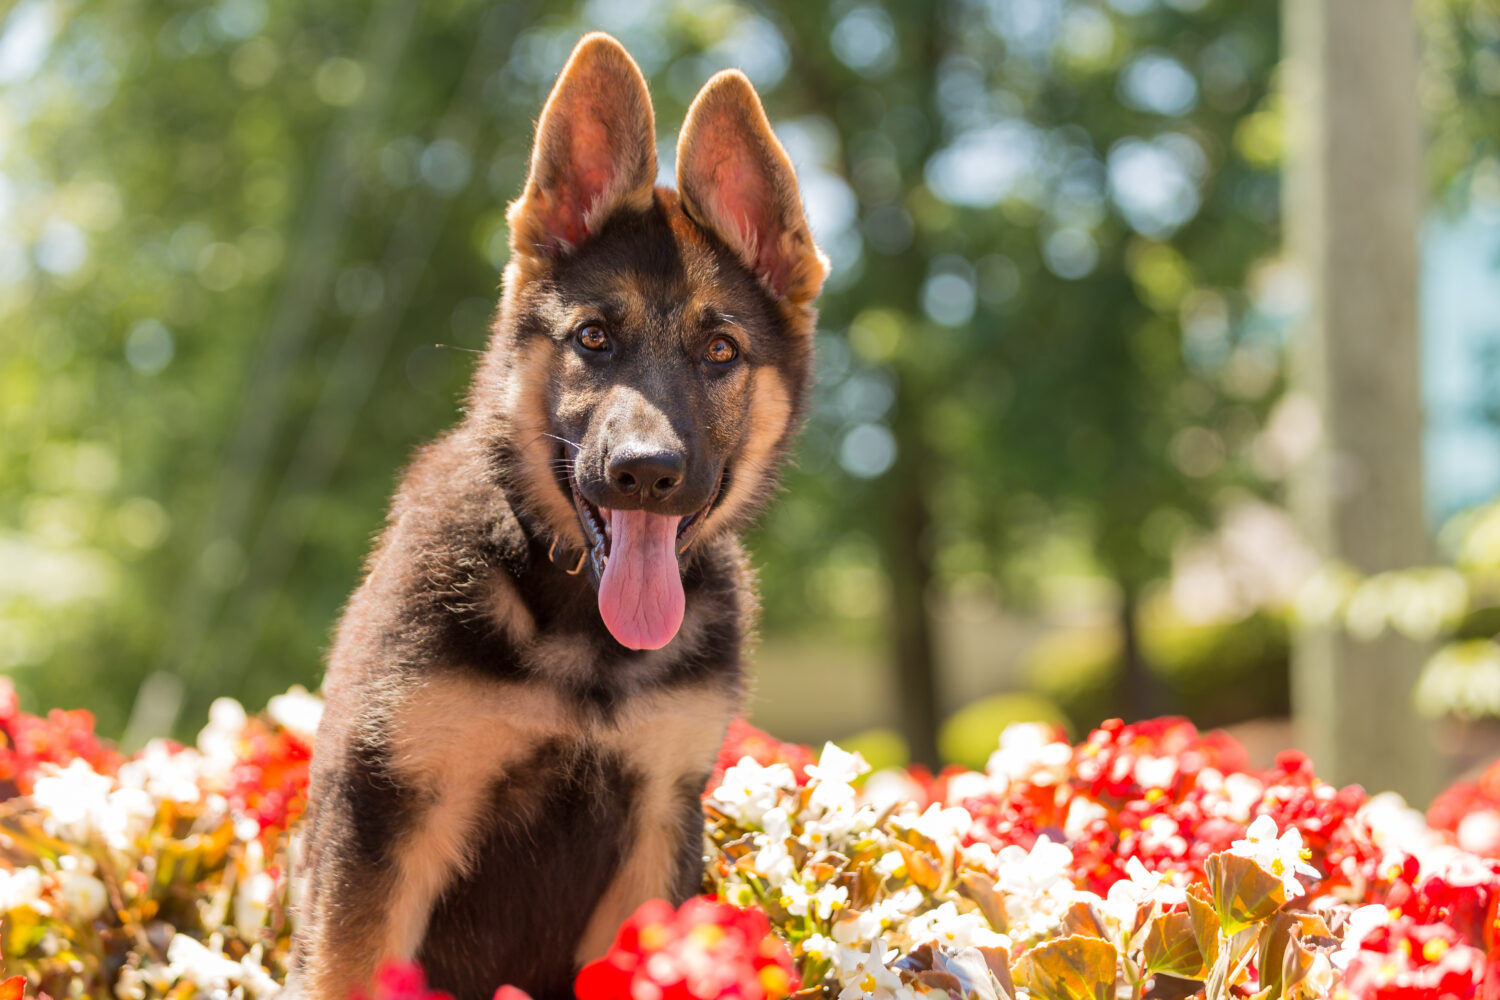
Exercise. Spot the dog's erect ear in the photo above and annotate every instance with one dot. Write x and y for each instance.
(595, 151)
(735, 179)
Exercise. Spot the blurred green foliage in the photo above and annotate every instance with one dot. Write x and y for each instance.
(247, 246)
(1216, 674)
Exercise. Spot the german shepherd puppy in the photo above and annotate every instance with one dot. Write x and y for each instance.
(527, 692)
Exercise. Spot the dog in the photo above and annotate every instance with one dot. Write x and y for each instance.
(528, 690)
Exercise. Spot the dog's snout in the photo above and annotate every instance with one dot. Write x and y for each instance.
(649, 475)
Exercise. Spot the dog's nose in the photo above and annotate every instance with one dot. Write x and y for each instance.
(653, 475)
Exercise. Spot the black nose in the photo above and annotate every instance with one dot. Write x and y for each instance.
(649, 475)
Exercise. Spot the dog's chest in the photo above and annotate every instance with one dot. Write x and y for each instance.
(452, 733)
(542, 819)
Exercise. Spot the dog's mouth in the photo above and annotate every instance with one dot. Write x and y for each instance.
(633, 560)
(595, 522)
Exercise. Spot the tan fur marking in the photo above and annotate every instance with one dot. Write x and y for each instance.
(563, 657)
(452, 738)
(507, 610)
(526, 402)
(770, 411)
(658, 738)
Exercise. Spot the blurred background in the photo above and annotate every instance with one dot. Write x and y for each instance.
(1084, 347)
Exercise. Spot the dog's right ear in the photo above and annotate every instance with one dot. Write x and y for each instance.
(595, 152)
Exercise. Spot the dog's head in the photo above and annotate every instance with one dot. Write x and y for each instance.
(653, 348)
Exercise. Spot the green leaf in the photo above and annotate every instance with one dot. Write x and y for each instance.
(1072, 968)
(1205, 928)
(1172, 947)
(1243, 893)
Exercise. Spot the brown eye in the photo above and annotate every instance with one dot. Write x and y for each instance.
(721, 351)
(593, 338)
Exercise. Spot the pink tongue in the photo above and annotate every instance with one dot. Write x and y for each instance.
(640, 596)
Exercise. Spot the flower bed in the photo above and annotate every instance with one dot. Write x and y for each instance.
(1147, 861)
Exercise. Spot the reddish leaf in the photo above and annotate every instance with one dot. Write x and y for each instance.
(1072, 968)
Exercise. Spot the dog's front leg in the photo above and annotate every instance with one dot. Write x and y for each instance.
(669, 742)
(347, 920)
(663, 860)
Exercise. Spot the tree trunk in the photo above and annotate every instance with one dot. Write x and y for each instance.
(1138, 693)
(907, 540)
(1353, 208)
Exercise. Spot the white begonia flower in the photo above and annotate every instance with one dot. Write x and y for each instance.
(1398, 829)
(1155, 772)
(1243, 793)
(210, 971)
(1037, 889)
(972, 785)
(888, 788)
(297, 711)
(174, 774)
(830, 785)
(953, 931)
(833, 814)
(739, 894)
(837, 765)
(1029, 751)
(1281, 856)
(74, 799)
(1143, 887)
(856, 928)
(252, 903)
(773, 861)
(131, 813)
(795, 898)
(204, 967)
(867, 975)
(1081, 813)
(749, 790)
(83, 895)
(1159, 835)
(945, 827)
(1033, 872)
(219, 740)
(979, 855)
(829, 899)
(821, 947)
(1361, 922)
(22, 889)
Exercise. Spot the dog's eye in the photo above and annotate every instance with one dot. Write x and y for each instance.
(721, 351)
(593, 338)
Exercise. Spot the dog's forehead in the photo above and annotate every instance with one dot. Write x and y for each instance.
(663, 267)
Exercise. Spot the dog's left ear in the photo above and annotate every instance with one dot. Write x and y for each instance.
(735, 179)
(595, 152)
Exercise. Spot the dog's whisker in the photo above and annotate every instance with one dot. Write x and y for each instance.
(564, 440)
